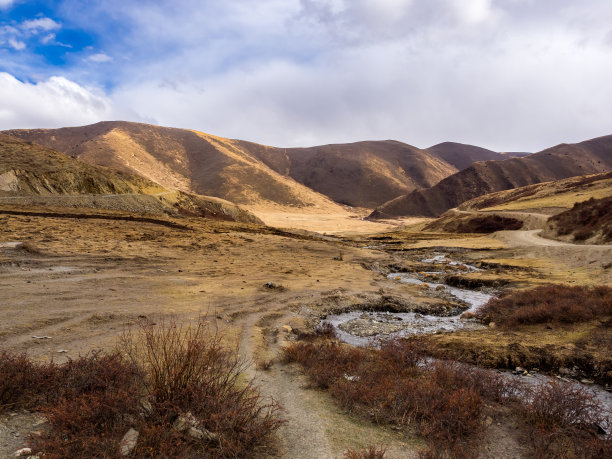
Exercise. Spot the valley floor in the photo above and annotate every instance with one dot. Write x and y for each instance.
(75, 284)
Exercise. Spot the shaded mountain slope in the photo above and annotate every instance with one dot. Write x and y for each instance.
(360, 174)
(461, 155)
(563, 161)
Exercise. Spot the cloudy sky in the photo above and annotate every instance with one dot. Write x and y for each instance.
(510, 75)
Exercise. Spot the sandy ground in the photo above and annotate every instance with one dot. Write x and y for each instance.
(82, 282)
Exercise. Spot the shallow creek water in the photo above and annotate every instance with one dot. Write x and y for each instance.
(399, 324)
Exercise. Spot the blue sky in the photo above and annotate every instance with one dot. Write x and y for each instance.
(503, 74)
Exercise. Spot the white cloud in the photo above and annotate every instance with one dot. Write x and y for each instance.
(100, 58)
(55, 102)
(16, 44)
(508, 75)
(6, 3)
(40, 24)
(49, 38)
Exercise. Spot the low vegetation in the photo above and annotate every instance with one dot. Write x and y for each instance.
(391, 385)
(178, 387)
(371, 452)
(446, 402)
(486, 224)
(558, 304)
(586, 220)
(559, 416)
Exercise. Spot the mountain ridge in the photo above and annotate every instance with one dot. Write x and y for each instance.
(359, 174)
(554, 163)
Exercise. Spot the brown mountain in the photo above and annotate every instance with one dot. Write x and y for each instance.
(35, 175)
(363, 174)
(461, 155)
(565, 160)
(360, 174)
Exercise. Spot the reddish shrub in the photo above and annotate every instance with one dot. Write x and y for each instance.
(585, 219)
(18, 381)
(564, 419)
(552, 303)
(92, 401)
(371, 452)
(394, 385)
(560, 404)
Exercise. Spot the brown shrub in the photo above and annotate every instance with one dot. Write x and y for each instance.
(487, 224)
(552, 303)
(565, 419)
(18, 382)
(187, 369)
(395, 385)
(92, 401)
(585, 219)
(558, 404)
(371, 452)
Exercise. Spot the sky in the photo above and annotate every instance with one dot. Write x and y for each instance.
(509, 75)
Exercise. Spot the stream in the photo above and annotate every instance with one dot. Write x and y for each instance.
(364, 328)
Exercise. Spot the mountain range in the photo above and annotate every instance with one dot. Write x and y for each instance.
(395, 178)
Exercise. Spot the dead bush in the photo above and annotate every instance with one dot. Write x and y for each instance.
(564, 420)
(170, 371)
(371, 452)
(19, 377)
(394, 384)
(186, 368)
(549, 304)
(558, 404)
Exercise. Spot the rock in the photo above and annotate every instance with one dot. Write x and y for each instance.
(468, 315)
(146, 406)
(203, 434)
(439, 288)
(587, 381)
(272, 286)
(62, 351)
(566, 372)
(41, 337)
(23, 451)
(488, 421)
(185, 421)
(128, 442)
(492, 325)
(287, 328)
(189, 423)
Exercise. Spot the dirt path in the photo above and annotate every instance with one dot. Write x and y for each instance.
(533, 238)
(303, 436)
